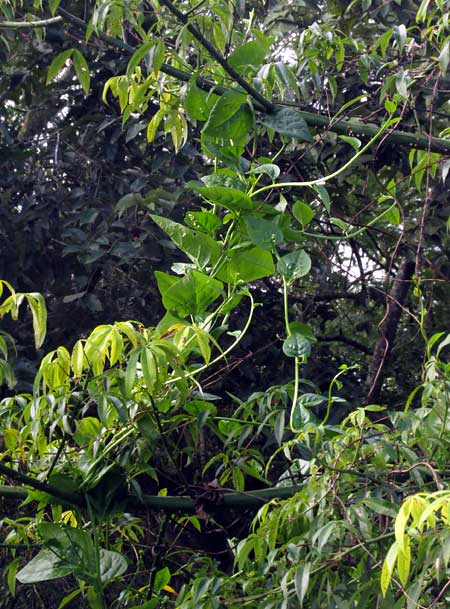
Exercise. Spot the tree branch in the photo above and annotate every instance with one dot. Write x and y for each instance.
(217, 55)
(19, 25)
(64, 496)
(243, 500)
(340, 338)
(388, 329)
(341, 127)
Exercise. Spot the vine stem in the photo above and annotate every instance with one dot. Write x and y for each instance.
(319, 181)
(217, 55)
(224, 353)
(18, 25)
(296, 359)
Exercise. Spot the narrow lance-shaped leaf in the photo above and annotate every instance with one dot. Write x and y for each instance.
(81, 70)
(39, 313)
(57, 65)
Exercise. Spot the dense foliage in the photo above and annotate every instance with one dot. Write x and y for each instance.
(250, 199)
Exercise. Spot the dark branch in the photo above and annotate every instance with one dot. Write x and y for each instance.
(64, 496)
(340, 338)
(344, 126)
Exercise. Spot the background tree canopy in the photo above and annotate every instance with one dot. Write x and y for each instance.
(260, 187)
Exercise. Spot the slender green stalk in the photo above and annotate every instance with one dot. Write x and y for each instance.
(224, 353)
(391, 122)
(20, 25)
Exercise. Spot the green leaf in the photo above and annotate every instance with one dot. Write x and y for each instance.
(192, 294)
(301, 580)
(400, 36)
(288, 121)
(57, 65)
(383, 41)
(444, 57)
(39, 313)
(138, 56)
(247, 265)
(196, 102)
(66, 600)
(112, 564)
(162, 578)
(78, 359)
(225, 107)
(249, 55)
(404, 561)
(380, 507)
(94, 599)
(53, 6)
(279, 427)
(81, 70)
(44, 566)
(263, 233)
(302, 213)
(353, 141)
(203, 221)
(393, 216)
(234, 131)
(269, 169)
(130, 373)
(155, 121)
(200, 248)
(297, 345)
(294, 265)
(154, 58)
(149, 365)
(231, 198)
(324, 196)
(388, 567)
(87, 431)
(165, 281)
(11, 572)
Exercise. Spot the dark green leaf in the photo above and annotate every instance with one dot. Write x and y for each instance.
(247, 265)
(249, 55)
(324, 196)
(269, 169)
(294, 265)
(297, 345)
(230, 198)
(81, 70)
(162, 578)
(112, 564)
(263, 233)
(44, 566)
(234, 131)
(288, 121)
(192, 294)
(197, 102)
(302, 213)
(200, 248)
(57, 64)
(225, 107)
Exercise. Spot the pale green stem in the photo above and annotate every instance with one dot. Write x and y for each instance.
(296, 359)
(224, 353)
(336, 173)
(354, 234)
(17, 25)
